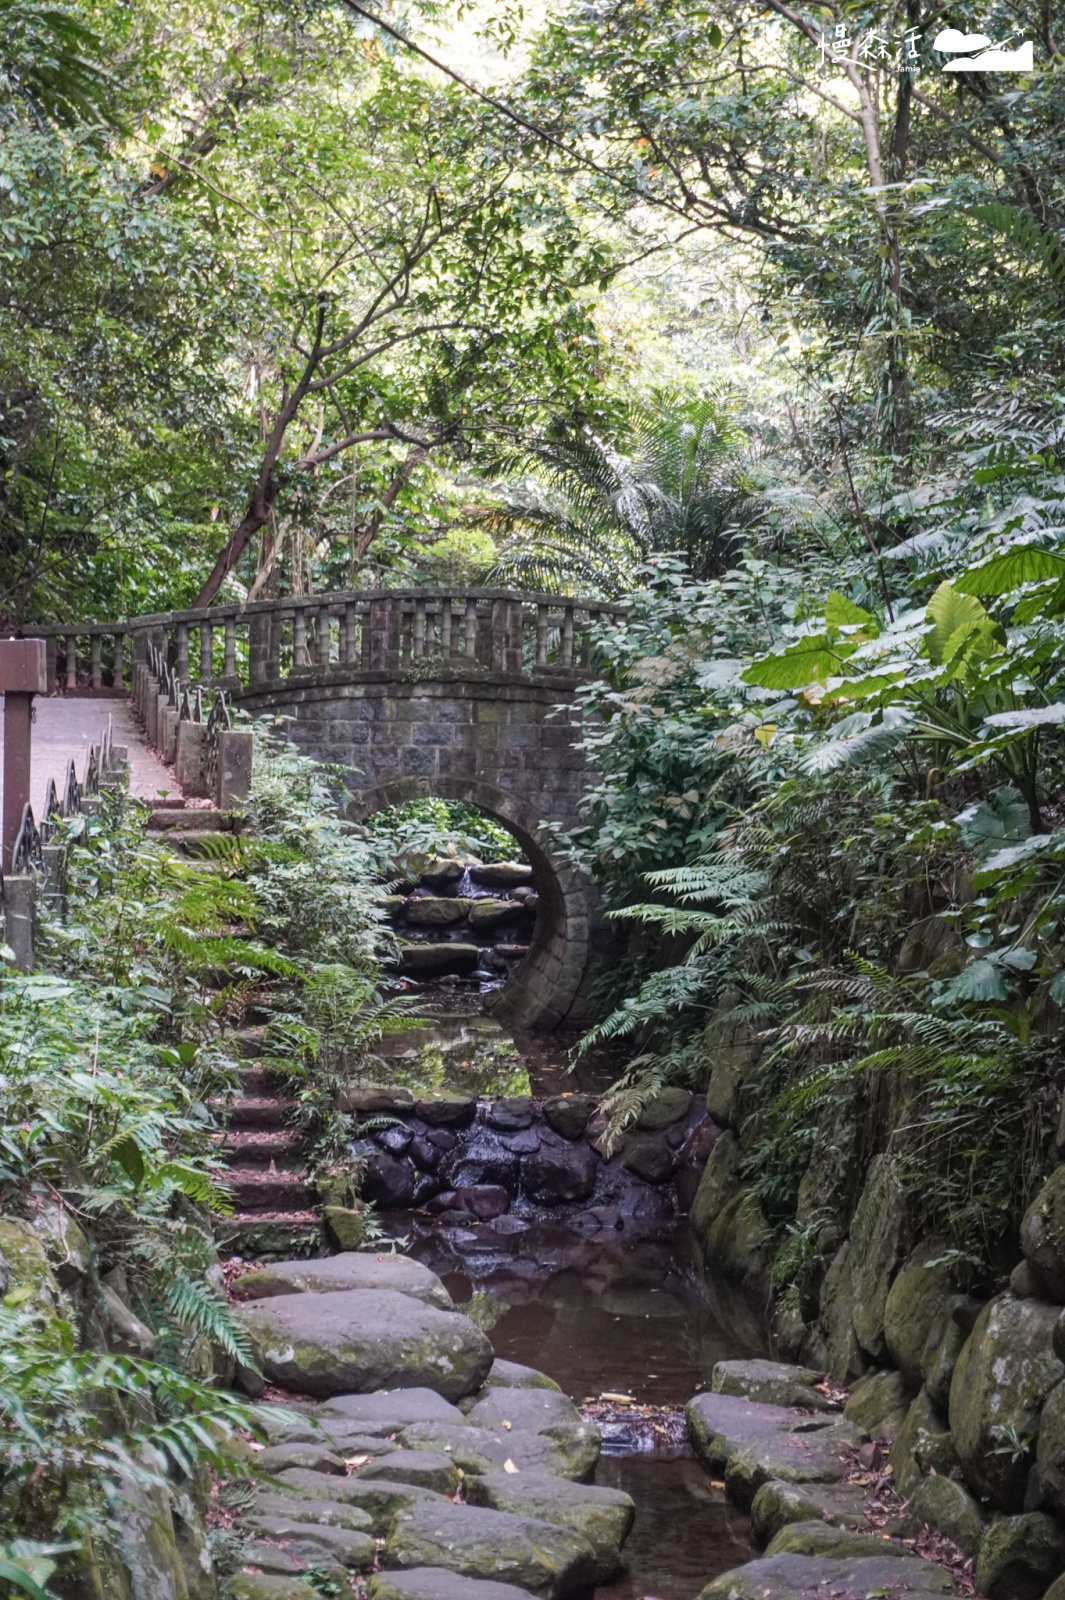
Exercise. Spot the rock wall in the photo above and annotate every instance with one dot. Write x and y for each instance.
(967, 1392)
(486, 1158)
(161, 1551)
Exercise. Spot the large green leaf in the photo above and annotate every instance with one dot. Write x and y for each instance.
(843, 613)
(1031, 717)
(809, 660)
(948, 611)
(1003, 573)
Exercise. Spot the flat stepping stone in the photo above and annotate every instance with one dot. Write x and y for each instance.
(379, 1498)
(602, 1516)
(512, 1375)
(816, 1577)
(777, 1504)
(292, 1559)
(354, 1341)
(356, 1551)
(317, 1456)
(267, 1586)
(309, 1509)
(477, 1450)
(546, 1412)
(427, 1468)
(390, 1412)
(772, 1383)
(756, 1443)
(351, 1269)
(433, 1583)
(478, 1543)
(819, 1539)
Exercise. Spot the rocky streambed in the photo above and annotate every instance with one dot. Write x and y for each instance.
(409, 1460)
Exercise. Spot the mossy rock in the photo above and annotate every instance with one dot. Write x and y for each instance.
(1004, 1374)
(946, 1505)
(774, 1382)
(921, 1296)
(30, 1280)
(1050, 1451)
(739, 1238)
(602, 1516)
(789, 1577)
(923, 1444)
(1043, 1236)
(878, 1403)
(719, 1184)
(267, 1586)
(1019, 1556)
(846, 1359)
(346, 1226)
(876, 1236)
(820, 1539)
(803, 1455)
(512, 1375)
(483, 1544)
(668, 1106)
(777, 1504)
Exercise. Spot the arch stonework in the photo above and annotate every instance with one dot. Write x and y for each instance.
(504, 742)
(466, 694)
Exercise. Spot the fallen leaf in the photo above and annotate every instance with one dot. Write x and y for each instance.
(507, 1426)
(618, 1399)
(508, 1466)
(355, 1462)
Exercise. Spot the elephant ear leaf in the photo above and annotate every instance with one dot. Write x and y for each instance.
(127, 1153)
(948, 612)
(808, 660)
(15, 1573)
(1006, 572)
(843, 613)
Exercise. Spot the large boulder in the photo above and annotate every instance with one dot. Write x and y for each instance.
(480, 1543)
(1050, 1452)
(569, 1114)
(501, 874)
(1004, 1374)
(1020, 1556)
(359, 1340)
(557, 1175)
(1043, 1236)
(544, 1412)
(350, 1270)
(267, 1586)
(720, 1425)
(875, 1235)
(879, 1403)
(384, 1414)
(512, 1375)
(789, 1577)
(817, 1538)
(843, 1353)
(919, 1301)
(945, 1505)
(24, 1266)
(922, 1445)
(602, 1516)
(380, 1498)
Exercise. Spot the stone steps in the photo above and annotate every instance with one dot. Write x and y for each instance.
(281, 1148)
(257, 1111)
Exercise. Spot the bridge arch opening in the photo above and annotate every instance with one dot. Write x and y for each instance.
(541, 991)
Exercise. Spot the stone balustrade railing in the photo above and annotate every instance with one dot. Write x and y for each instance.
(388, 630)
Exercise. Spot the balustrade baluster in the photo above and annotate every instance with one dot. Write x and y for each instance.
(419, 629)
(229, 662)
(72, 661)
(118, 673)
(351, 632)
(272, 622)
(95, 668)
(543, 618)
(567, 637)
(366, 637)
(445, 626)
(299, 639)
(325, 629)
(206, 651)
(183, 651)
(471, 630)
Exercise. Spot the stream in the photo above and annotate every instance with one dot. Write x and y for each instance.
(628, 1313)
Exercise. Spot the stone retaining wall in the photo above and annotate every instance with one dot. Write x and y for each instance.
(488, 1158)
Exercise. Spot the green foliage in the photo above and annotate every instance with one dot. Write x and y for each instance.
(413, 832)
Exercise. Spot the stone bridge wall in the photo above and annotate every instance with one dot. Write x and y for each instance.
(465, 696)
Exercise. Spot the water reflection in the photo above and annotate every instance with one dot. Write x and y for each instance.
(617, 1313)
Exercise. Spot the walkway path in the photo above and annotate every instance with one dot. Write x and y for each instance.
(65, 728)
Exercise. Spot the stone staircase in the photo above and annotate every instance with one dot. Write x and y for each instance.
(274, 1211)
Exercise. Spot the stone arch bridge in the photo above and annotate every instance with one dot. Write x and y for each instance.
(459, 695)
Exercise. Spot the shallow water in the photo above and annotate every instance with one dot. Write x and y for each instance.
(629, 1315)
